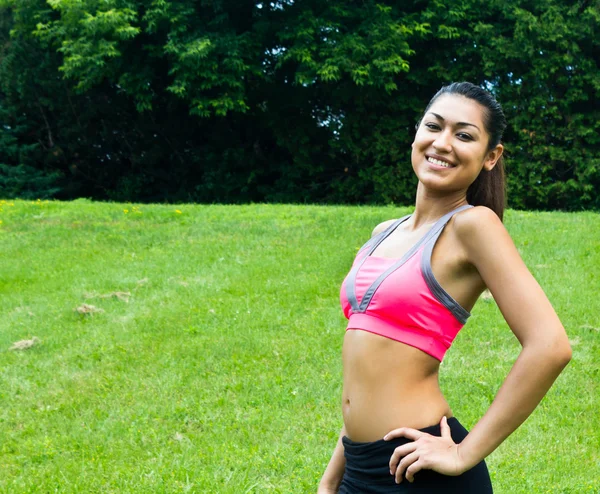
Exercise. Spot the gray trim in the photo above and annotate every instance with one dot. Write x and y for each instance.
(371, 245)
(366, 300)
(436, 229)
(439, 225)
(384, 232)
(442, 295)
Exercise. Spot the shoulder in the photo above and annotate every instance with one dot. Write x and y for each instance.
(382, 226)
(477, 216)
(483, 237)
(478, 224)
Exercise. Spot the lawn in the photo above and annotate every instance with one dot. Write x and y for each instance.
(187, 348)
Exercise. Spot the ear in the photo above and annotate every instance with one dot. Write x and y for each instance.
(492, 157)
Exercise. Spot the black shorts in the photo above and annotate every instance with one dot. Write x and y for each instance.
(367, 469)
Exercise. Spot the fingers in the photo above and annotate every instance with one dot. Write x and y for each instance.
(424, 452)
(413, 469)
(406, 462)
(398, 453)
(406, 432)
(445, 428)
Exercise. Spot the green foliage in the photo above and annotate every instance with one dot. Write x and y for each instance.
(291, 101)
(367, 42)
(27, 183)
(89, 37)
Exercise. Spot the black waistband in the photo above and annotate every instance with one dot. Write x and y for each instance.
(373, 448)
(367, 468)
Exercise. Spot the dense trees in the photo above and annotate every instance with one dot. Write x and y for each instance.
(292, 100)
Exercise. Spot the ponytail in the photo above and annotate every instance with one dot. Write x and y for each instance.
(489, 189)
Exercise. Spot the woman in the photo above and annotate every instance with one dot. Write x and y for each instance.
(408, 294)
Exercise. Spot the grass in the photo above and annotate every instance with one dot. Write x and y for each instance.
(221, 370)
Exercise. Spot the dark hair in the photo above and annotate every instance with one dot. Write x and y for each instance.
(489, 188)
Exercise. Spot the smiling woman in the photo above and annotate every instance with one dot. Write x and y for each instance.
(480, 132)
(410, 291)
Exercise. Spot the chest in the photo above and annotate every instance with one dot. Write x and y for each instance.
(398, 264)
(399, 242)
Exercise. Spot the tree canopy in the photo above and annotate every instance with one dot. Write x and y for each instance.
(289, 101)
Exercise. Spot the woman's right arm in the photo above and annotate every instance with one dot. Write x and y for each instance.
(332, 478)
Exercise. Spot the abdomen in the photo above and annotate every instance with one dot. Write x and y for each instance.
(388, 384)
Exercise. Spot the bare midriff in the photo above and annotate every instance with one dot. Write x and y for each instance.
(388, 384)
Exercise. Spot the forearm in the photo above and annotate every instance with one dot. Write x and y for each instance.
(526, 384)
(335, 469)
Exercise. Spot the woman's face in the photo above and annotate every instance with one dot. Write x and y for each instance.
(451, 144)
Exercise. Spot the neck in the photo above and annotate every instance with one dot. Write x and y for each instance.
(430, 207)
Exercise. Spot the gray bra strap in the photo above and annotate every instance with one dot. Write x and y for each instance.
(350, 283)
(370, 246)
(381, 236)
(437, 227)
(444, 297)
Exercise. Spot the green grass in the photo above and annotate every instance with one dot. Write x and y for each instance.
(222, 371)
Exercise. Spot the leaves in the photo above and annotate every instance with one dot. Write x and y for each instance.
(291, 101)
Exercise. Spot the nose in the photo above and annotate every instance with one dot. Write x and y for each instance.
(443, 141)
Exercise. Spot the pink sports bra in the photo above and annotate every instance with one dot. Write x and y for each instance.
(400, 298)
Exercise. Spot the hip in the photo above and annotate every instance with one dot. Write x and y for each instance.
(367, 469)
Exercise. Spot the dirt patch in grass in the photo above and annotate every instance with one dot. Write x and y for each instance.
(25, 344)
(123, 296)
(86, 309)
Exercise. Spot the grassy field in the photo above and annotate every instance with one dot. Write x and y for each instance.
(210, 359)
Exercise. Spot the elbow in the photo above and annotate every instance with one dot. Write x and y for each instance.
(564, 351)
(561, 353)
(556, 354)
(565, 354)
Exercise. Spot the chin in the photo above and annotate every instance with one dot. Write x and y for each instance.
(436, 182)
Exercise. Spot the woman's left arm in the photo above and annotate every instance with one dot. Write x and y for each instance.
(528, 312)
(545, 349)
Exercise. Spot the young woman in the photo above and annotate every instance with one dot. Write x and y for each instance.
(408, 294)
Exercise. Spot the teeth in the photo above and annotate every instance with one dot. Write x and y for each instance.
(439, 162)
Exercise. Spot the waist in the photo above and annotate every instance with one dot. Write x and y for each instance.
(388, 384)
(367, 463)
(371, 448)
(369, 416)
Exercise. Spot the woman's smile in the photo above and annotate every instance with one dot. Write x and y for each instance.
(439, 162)
(450, 137)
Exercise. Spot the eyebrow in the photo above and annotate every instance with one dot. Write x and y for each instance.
(460, 124)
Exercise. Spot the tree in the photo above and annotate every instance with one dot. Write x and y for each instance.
(290, 101)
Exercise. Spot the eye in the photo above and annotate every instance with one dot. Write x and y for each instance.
(464, 136)
(432, 126)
